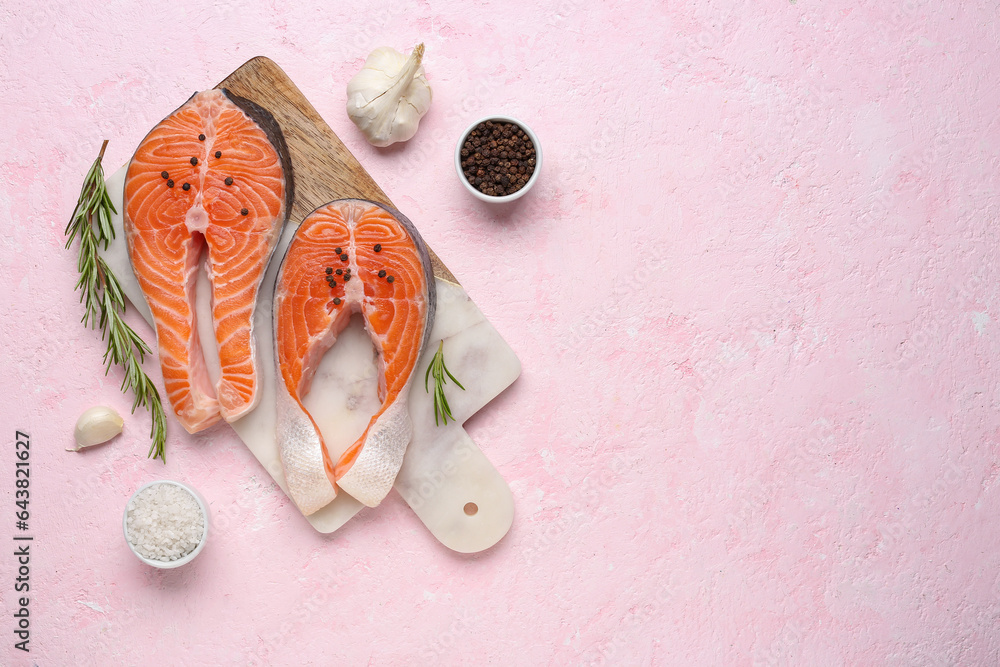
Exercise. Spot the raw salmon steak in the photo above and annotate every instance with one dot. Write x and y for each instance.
(211, 178)
(349, 256)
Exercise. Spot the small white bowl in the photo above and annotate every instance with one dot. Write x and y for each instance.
(527, 186)
(168, 564)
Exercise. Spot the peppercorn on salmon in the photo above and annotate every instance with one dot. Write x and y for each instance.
(349, 256)
(213, 178)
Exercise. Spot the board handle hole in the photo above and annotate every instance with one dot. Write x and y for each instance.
(471, 509)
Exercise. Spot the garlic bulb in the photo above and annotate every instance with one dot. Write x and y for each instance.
(387, 98)
(96, 425)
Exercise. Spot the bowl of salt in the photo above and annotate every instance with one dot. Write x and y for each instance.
(165, 524)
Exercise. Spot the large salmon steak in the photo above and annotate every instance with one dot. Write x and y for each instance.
(349, 256)
(211, 181)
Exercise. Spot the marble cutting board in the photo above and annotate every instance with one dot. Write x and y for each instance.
(446, 479)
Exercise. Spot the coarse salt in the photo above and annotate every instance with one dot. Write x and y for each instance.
(164, 522)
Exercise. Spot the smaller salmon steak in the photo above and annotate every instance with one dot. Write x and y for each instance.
(349, 256)
(212, 178)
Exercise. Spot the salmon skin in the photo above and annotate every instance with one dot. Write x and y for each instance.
(349, 256)
(213, 178)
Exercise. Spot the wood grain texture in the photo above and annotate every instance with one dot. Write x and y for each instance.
(322, 167)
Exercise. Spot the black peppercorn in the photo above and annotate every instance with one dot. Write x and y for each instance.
(497, 156)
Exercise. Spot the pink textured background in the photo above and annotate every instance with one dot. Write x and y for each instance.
(755, 294)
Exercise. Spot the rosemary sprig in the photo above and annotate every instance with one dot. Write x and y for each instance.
(104, 302)
(439, 371)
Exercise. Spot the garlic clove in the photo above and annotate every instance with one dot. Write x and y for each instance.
(389, 96)
(96, 425)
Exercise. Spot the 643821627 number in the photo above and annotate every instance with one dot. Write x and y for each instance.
(22, 480)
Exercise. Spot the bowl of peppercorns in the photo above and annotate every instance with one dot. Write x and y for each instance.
(498, 159)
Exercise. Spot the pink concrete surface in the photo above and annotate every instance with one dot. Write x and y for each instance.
(755, 295)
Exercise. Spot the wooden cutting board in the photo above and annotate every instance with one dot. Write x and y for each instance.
(444, 472)
(322, 167)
